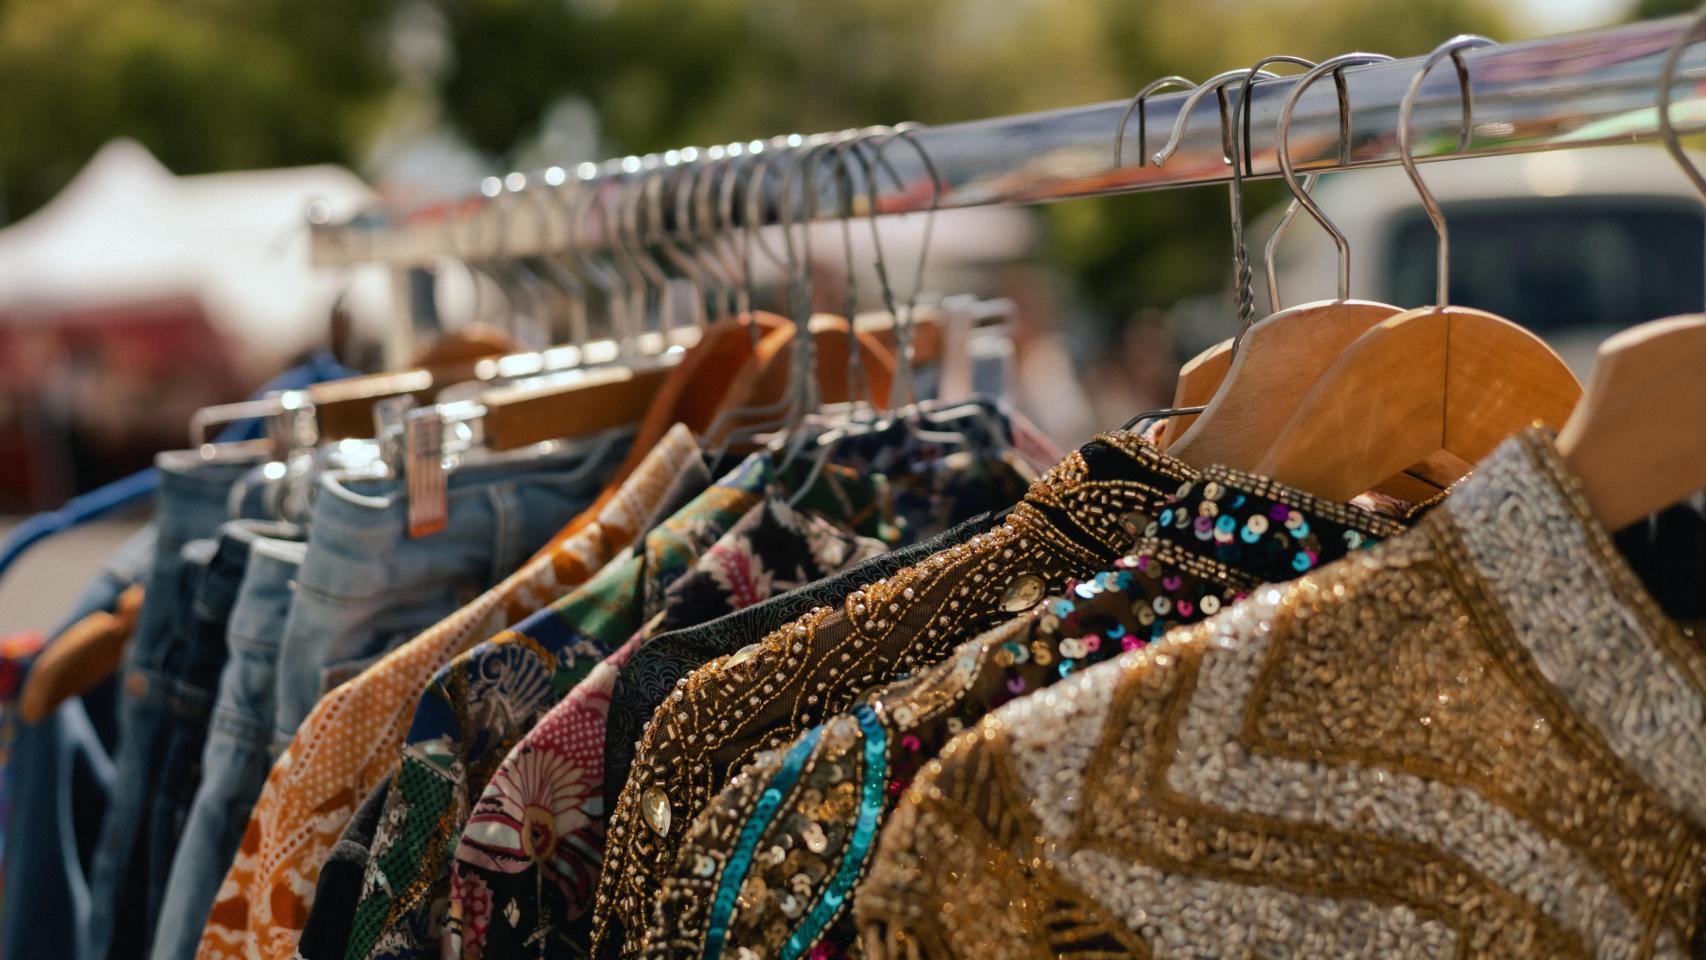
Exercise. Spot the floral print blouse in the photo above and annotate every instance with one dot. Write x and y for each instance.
(525, 868)
(480, 704)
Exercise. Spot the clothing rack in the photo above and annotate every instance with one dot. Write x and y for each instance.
(1576, 90)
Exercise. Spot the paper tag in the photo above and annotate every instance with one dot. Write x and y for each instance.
(423, 472)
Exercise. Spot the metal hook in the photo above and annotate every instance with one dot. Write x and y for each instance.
(581, 193)
(1667, 132)
(1243, 277)
(1229, 153)
(1215, 85)
(690, 223)
(565, 279)
(1452, 48)
(663, 192)
(704, 232)
(903, 391)
(846, 191)
(1287, 171)
(1136, 105)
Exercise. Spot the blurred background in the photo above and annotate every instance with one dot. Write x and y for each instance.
(157, 157)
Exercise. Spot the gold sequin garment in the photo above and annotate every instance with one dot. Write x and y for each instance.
(1075, 520)
(1480, 739)
(769, 869)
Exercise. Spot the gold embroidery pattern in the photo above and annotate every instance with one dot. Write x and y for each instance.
(1072, 522)
(1436, 748)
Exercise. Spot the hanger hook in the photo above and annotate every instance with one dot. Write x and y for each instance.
(1214, 84)
(1243, 276)
(1288, 173)
(1667, 131)
(1137, 105)
(707, 231)
(904, 389)
(1452, 48)
(846, 192)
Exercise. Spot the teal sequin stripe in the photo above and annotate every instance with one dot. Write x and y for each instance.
(740, 859)
(864, 831)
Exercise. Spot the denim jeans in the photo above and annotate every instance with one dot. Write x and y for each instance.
(195, 666)
(190, 504)
(366, 586)
(238, 751)
(61, 779)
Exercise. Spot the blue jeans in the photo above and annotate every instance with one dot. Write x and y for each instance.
(238, 751)
(191, 503)
(367, 587)
(195, 665)
(61, 776)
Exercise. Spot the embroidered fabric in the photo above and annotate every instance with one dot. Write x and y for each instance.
(769, 869)
(526, 865)
(1481, 738)
(1073, 522)
(654, 670)
(484, 701)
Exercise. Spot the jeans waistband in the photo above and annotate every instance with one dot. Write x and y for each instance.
(360, 546)
(191, 501)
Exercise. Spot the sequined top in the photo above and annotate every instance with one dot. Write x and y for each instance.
(1481, 738)
(1073, 521)
(348, 744)
(526, 864)
(768, 870)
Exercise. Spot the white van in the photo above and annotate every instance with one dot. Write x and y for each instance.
(1573, 244)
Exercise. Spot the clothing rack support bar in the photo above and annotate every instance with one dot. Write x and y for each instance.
(1577, 90)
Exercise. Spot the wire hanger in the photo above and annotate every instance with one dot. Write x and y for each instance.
(1429, 392)
(1188, 394)
(1634, 439)
(1273, 363)
(1200, 376)
(741, 417)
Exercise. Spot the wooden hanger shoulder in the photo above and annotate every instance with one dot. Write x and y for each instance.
(1199, 378)
(1637, 439)
(1439, 386)
(1280, 359)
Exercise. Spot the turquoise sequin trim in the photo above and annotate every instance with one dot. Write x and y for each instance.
(740, 859)
(864, 831)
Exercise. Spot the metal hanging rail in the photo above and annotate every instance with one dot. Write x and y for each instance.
(1577, 90)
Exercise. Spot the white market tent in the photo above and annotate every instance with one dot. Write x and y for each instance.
(127, 230)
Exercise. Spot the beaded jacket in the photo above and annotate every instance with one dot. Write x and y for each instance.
(1073, 521)
(768, 870)
(1481, 738)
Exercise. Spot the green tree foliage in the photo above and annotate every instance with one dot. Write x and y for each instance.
(223, 84)
(205, 84)
(1648, 9)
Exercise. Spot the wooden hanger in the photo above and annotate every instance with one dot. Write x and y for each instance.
(1199, 378)
(1637, 438)
(88, 652)
(1428, 392)
(1273, 364)
(670, 388)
